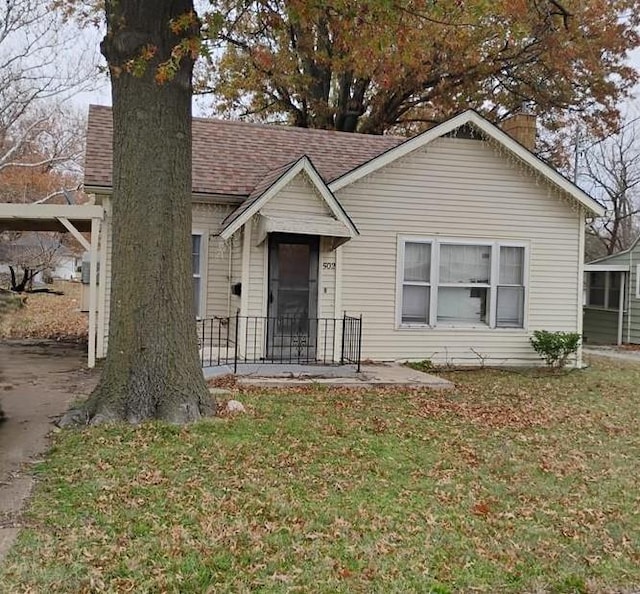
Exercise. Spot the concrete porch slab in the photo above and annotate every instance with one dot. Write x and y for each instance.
(370, 376)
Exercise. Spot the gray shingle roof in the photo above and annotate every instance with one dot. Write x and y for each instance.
(232, 158)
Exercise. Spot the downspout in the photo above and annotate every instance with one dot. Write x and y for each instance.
(623, 283)
(229, 275)
(629, 298)
(580, 285)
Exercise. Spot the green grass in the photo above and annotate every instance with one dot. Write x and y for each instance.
(511, 483)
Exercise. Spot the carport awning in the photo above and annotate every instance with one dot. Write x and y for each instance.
(66, 218)
(309, 225)
(48, 217)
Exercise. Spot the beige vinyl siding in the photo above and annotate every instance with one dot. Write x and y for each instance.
(206, 218)
(235, 245)
(466, 189)
(327, 328)
(254, 328)
(108, 234)
(297, 199)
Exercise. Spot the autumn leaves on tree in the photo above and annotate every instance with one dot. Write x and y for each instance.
(376, 66)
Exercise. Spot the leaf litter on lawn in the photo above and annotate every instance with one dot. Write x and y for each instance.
(511, 483)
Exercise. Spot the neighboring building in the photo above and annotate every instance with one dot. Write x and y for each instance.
(39, 251)
(454, 245)
(612, 298)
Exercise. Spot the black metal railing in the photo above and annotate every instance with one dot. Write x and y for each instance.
(352, 340)
(280, 340)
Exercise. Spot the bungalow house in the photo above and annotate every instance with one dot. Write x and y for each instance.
(454, 245)
(612, 298)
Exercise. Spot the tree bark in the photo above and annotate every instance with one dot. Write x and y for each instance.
(152, 370)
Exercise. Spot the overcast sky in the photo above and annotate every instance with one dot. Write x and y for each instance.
(102, 93)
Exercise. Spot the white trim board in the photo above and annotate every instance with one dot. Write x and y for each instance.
(302, 165)
(606, 267)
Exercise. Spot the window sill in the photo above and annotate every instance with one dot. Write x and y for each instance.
(457, 328)
(600, 308)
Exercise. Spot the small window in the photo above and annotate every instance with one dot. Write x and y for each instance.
(510, 293)
(614, 290)
(597, 288)
(196, 265)
(604, 288)
(416, 283)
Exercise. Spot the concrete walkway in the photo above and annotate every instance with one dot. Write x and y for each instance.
(38, 381)
(613, 353)
(370, 376)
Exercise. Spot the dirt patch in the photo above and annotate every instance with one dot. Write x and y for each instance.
(38, 381)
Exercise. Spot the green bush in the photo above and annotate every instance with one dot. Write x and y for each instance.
(555, 347)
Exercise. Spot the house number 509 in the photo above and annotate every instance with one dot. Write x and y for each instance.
(328, 265)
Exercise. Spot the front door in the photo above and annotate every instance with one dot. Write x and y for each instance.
(293, 297)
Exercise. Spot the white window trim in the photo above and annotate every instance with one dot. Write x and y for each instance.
(400, 280)
(204, 251)
(434, 284)
(637, 281)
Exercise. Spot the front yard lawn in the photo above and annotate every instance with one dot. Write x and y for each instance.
(513, 482)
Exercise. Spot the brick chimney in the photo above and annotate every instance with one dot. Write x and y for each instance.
(521, 127)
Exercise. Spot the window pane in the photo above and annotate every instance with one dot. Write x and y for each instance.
(510, 310)
(417, 262)
(597, 288)
(196, 295)
(465, 263)
(596, 296)
(463, 304)
(615, 279)
(614, 299)
(415, 304)
(511, 266)
(195, 253)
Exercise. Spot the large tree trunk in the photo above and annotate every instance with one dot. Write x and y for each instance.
(152, 369)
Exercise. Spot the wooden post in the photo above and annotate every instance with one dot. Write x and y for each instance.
(623, 284)
(93, 290)
(245, 279)
(102, 289)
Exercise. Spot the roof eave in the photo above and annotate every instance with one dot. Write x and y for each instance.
(491, 130)
(302, 164)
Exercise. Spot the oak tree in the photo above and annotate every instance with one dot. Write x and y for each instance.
(152, 367)
(377, 65)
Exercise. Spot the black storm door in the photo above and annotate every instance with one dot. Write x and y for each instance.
(292, 297)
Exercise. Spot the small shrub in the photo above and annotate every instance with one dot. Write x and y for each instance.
(424, 365)
(555, 347)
